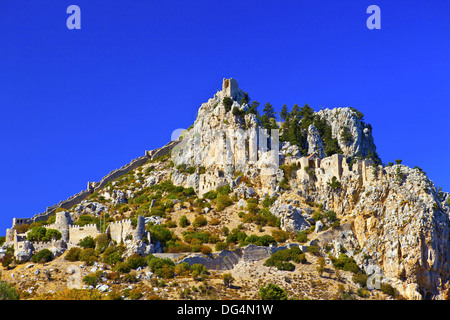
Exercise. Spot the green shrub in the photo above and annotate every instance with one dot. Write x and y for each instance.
(210, 195)
(227, 279)
(42, 256)
(226, 189)
(175, 246)
(264, 240)
(289, 170)
(162, 267)
(135, 261)
(41, 233)
(252, 207)
(90, 280)
(102, 242)
(199, 221)
(227, 102)
(73, 254)
(87, 242)
(198, 271)
(189, 192)
(389, 290)
(220, 246)
(8, 292)
(204, 237)
(89, 256)
(111, 255)
(302, 237)
(182, 269)
(238, 112)
(149, 169)
(345, 263)
(184, 222)
(335, 183)
(130, 277)
(360, 278)
(171, 224)
(272, 292)
(236, 235)
(280, 236)
(223, 201)
(313, 250)
(281, 258)
(85, 219)
(284, 184)
(268, 218)
(331, 215)
(121, 267)
(161, 234)
(346, 135)
(317, 215)
(52, 234)
(268, 201)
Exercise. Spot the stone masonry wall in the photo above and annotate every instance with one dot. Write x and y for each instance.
(77, 233)
(95, 186)
(120, 230)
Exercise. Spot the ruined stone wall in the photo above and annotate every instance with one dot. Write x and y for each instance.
(77, 233)
(41, 245)
(82, 195)
(153, 154)
(120, 230)
(113, 175)
(210, 181)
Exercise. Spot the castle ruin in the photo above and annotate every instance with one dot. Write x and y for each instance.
(119, 231)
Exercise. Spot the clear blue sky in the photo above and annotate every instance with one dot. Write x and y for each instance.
(76, 104)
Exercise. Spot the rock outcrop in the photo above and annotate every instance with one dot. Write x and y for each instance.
(315, 144)
(400, 222)
(398, 219)
(339, 119)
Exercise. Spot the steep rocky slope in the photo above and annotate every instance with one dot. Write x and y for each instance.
(328, 195)
(400, 222)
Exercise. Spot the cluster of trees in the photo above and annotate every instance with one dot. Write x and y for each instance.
(98, 249)
(281, 259)
(294, 128)
(295, 125)
(41, 233)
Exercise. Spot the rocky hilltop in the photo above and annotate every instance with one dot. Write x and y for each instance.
(237, 187)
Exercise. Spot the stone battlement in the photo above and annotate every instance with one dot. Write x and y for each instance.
(124, 221)
(86, 226)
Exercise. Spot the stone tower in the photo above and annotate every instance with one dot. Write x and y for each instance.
(230, 88)
(140, 232)
(62, 222)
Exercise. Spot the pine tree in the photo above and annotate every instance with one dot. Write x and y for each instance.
(254, 108)
(269, 111)
(295, 112)
(268, 118)
(307, 116)
(283, 112)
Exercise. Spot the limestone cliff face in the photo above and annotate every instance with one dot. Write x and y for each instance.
(402, 221)
(362, 142)
(219, 143)
(399, 221)
(315, 143)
